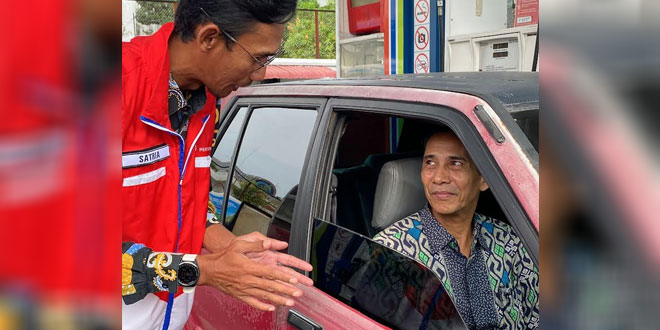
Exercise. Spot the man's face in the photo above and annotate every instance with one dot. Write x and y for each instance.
(451, 181)
(225, 70)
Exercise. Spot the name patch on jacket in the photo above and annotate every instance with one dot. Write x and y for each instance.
(145, 157)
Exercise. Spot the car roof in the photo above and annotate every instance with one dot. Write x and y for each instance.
(513, 91)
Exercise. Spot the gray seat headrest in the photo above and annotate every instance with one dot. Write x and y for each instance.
(399, 192)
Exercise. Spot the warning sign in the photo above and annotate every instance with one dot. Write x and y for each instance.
(421, 63)
(422, 38)
(422, 35)
(422, 11)
(527, 12)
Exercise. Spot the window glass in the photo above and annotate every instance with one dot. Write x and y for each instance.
(358, 3)
(362, 58)
(221, 161)
(390, 288)
(368, 142)
(268, 167)
(528, 121)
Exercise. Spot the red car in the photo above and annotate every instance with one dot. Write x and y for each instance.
(301, 162)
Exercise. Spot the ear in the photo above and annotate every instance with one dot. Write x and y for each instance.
(208, 37)
(483, 186)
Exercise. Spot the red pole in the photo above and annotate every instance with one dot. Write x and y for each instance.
(316, 28)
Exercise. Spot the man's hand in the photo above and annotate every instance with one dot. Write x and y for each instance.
(280, 260)
(257, 284)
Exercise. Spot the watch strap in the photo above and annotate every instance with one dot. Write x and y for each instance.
(189, 257)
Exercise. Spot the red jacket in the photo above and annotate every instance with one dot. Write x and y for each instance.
(165, 183)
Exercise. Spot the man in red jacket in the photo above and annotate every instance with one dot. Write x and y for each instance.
(170, 83)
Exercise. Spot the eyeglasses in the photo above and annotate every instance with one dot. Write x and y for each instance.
(263, 62)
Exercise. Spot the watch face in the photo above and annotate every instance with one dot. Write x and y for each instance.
(188, 274)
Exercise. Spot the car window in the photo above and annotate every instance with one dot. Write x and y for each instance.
(390, 288)
(368, 142)
(267, 170)
(528, 121)
(221, 161)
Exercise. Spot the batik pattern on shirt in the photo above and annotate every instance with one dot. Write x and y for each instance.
(512, 276)
(144, 271)
(468, 276)
(182, 105)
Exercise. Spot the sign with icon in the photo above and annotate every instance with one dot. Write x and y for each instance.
(422, 36)
(422, 64)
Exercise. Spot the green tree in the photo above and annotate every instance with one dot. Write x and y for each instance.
(250, 193)
(151, 12)
(300, 32)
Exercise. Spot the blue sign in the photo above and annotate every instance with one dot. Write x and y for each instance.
(232, 205)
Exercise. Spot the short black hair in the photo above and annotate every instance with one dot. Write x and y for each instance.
(436, 129)
(234, 16)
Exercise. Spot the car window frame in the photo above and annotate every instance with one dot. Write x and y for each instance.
(300, 245)
(251, 103)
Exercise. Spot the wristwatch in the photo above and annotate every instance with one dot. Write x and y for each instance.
(188, 273)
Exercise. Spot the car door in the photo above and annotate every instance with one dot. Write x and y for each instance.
(267, 161)
(339, 246)
(502, 200)
(257, 164)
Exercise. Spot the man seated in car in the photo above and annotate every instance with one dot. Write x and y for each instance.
(480, 260)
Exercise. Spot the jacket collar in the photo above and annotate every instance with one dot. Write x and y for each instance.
(156, 59)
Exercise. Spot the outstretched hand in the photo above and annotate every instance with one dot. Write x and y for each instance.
(280, 260)
(251, 271)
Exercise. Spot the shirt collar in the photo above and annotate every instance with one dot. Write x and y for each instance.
(195, 98)
(439, 237)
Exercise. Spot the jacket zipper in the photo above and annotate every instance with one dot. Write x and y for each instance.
(182, 165)
(182, 171)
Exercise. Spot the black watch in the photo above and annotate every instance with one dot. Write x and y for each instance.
(188, 272)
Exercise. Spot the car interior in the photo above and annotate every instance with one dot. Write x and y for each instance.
(374, 183)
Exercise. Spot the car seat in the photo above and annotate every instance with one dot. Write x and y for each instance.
(353, 191)
(399, 192)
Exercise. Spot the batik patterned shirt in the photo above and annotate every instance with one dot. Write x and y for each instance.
(144, 271)
(498, 261)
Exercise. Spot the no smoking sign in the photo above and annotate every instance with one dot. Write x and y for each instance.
(422, 11)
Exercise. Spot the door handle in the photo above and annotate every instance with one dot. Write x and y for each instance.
(302, 322)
